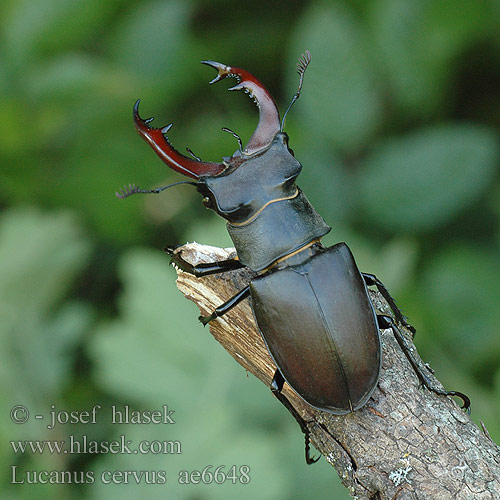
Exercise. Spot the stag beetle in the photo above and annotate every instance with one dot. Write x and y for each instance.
(310, 302)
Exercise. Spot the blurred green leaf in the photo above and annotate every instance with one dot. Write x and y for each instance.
(65, 79)
(152, 41)
(40, 28)
(324, 179)
(40, 256)
(340, 102)
(417, 43)
(424, 179)
(460, 297)
(140, 339)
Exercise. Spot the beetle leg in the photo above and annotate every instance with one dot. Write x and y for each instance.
(203, 269)
(371, 279)
(222, 266)
(387, 322)
(224, 308)
(276, 387)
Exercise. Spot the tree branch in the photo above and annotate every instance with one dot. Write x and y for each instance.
(405, 443)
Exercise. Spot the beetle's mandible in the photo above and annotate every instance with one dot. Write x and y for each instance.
(310, 302)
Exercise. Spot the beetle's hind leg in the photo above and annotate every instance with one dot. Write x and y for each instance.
(204, 269)
(370, 280)
(276, 387)
(387, 322)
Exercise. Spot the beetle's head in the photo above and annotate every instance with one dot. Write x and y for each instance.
(268, 128)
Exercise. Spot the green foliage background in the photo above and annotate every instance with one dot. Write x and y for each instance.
(397, 130)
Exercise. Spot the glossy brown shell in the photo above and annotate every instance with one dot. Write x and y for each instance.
(320, 327)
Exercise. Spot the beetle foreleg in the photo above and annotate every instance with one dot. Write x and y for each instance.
(203, 269)
(276, 387)
(371, 279)
(224, 308)
(387, 322)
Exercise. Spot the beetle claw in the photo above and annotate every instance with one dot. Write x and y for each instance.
(269, 120)
(159, 142)
(223, 70)
(170, 249)
(204, 320)
(178, 261)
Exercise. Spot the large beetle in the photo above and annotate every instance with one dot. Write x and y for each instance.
(310, 302)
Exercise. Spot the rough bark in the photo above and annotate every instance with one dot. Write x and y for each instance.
(406, 443)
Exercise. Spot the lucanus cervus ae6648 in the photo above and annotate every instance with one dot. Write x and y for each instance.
(310, 302)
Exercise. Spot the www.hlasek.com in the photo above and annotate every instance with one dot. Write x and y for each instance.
(75, 446)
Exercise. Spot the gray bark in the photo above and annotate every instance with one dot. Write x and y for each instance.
(405, 443)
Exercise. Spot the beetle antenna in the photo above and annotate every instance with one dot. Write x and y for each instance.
(133, 189)
(236, 136)
(302, 65)
(192, 154)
